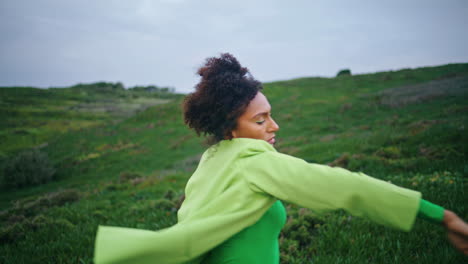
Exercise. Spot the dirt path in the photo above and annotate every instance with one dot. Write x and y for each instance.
(400, 96)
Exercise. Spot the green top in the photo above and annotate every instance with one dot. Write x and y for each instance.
(430, 211)
(259, 242)
(236, 182)
(255, 244)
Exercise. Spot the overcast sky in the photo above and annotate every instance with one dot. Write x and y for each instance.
(56, 43)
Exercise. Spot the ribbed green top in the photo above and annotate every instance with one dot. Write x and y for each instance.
(255, 244)
(259, 242)
(431, 212)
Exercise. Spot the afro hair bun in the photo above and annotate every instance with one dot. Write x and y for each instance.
(225, 64)
(221, 96)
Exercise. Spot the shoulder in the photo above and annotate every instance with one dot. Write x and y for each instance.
(237, 151)
(244, 147)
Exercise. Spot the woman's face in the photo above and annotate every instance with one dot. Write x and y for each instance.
(256, 122)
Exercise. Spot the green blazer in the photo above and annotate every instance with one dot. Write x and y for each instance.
(236, 182)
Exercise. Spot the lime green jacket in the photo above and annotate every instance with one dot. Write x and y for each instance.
(236, 182)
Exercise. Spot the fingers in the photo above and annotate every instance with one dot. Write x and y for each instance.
(459, 241)
(457, 231)
(459, 227)
(455, 224)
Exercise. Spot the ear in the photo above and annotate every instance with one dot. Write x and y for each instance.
(234, 133)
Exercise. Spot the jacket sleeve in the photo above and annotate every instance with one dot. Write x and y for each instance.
(119, 245)
(323, 188)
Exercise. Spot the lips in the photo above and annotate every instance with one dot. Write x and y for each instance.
(271, 140)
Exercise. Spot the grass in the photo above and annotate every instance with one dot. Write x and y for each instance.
(31, 117)
(344, 121)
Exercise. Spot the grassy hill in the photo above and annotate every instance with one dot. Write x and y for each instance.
(31, 116)
(127, 165)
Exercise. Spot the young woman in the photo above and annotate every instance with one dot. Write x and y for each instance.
(232, 211)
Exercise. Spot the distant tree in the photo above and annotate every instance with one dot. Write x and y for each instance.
(344, 72)
(167, 89)
(152, 88)
(118, 86)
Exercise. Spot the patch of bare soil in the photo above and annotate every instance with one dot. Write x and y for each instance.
(119, 108)
(401, 96)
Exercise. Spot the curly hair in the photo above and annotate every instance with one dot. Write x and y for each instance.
(221, 96)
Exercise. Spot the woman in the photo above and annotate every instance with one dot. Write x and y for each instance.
(232, 212)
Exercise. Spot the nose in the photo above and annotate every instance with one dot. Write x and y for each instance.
(273, 126)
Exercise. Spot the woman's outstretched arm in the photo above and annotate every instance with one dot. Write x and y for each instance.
(321, 187)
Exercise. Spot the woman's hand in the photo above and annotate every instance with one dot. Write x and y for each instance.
(457, 231)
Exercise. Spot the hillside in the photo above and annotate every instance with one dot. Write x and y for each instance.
(31, 116)
(128, 166)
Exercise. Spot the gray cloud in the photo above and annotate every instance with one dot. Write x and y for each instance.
(59, 43)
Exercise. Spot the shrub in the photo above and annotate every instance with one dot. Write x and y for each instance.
(344, 72)
(298, 234)
(28, 168)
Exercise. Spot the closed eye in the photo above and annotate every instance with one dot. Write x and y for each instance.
(260, 122)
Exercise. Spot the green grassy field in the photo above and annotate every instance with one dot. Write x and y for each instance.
(31, 116)
(127, 165)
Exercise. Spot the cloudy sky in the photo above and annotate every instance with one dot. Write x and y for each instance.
(56, 43)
